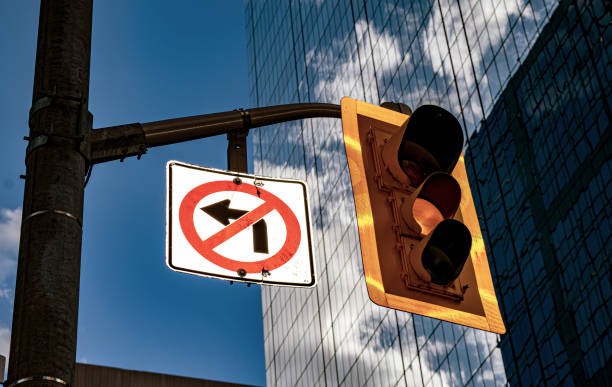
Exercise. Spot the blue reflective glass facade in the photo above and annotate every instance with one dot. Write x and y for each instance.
(461, 55)
(542, 163)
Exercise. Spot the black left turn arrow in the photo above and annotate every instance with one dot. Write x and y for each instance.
(222, 213)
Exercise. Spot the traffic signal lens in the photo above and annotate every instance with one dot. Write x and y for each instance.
(437, 198)
(432, 142)
(426, 215)
(446, 251)
(417, 162)
(443, 191)
(438, 265)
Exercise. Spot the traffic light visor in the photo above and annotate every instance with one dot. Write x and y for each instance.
(437, 198)
(432, 142)
(446, 251)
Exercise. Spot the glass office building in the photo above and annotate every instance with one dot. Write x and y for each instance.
(542, 161)
(459, 55)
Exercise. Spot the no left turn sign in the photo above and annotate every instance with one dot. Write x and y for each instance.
(236, 226)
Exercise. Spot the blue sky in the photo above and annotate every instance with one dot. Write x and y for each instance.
(150, 61)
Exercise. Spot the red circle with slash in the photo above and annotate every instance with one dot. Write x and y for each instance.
(205, 247)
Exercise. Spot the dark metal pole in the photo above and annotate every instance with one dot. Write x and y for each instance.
(191, 128)
(237, 145)
(237, 151)
(43, 339)
(118, 142)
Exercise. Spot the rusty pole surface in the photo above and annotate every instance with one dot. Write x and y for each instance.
(44, 333)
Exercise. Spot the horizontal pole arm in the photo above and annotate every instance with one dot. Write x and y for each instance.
(118, 142)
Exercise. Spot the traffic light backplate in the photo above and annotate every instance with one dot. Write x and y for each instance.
(387, 206)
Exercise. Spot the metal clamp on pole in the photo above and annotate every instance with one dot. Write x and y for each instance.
(34, 379)
(57, 212)
(85, 124)
(237, 145)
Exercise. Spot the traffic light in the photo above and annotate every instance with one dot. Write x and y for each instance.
(421, 244)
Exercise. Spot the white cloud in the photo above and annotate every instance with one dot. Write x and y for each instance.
(491, 21)
(342, 78)
(5, 340)
(10, 226)
(10, 223)
(495, 19)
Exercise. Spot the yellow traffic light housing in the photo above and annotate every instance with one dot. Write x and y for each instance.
(421, 244)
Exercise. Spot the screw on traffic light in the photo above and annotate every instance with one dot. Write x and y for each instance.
(421, 244)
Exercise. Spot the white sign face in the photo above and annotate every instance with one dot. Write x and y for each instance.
(240, 227)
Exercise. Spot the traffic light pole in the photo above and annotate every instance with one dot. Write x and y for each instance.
(62, 148)
(43, 338)
(119, 142)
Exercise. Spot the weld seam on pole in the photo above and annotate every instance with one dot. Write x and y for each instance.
(36, 378)
(58, 212)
